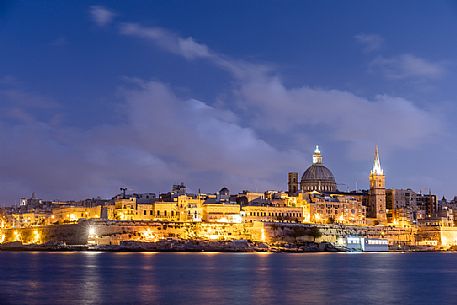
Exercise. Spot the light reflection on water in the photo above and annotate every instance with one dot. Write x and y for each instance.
(227, 278)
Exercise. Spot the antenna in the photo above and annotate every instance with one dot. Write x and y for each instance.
(123, 190)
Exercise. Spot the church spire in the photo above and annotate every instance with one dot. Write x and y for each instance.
(377, 170)
(317, 157)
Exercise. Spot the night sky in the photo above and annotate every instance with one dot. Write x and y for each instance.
(144, 94)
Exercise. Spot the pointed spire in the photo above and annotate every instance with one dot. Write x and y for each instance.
(317, 157)
(377, 170)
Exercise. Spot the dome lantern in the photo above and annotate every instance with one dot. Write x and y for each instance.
(317, 157)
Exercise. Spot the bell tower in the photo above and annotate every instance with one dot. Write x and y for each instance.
(292, 183)
(377, 194)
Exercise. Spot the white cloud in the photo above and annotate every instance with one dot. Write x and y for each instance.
(199, 136)
(408, 66)
(370, 42)
(186, 47)
(161, 140)
(271, 105)
(403, 66)
(191, 50)
(101, 15)
(164, 139)
(391, 121)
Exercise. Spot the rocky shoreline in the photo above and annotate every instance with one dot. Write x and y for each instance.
(202, 246)
(179, 246)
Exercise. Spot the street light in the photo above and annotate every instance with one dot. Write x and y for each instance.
(92, 231)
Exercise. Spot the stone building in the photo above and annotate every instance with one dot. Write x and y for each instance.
(401, 206)
(336, 208)
(217, 212)
(181, 208)
(270, 213)
(75, 213)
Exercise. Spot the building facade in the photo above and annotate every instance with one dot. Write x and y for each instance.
(336, 208)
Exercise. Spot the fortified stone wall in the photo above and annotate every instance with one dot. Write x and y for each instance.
(115, 231)
(71, 234)
(106, 231)
(290, 232)
(137, 230)
(437, 236)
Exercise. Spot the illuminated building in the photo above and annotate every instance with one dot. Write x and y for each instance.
(190, 207)
(268, 213)
(125, 208)
(247, 197)
(218, 212)
(336, 208)
(317, 177)
(33, 201)
(428, 203)
(168, 211)
(377, 193)
(180, 208)
(401, 207)
(73, 214)
(30, 219)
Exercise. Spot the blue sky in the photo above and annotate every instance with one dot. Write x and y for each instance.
(143, 94)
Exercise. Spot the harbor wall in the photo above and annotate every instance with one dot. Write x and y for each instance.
(113, 232)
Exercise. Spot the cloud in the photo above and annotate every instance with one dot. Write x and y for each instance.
(199, 136)
(403, 66)
(271, 106)
(101, 15)
(10, 96)
(162, 139)
(192, 50)
(305, 112)
(407, 66)
(169, 41)
(370, 42)
(394, 122)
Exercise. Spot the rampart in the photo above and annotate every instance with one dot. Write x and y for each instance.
(113, 232)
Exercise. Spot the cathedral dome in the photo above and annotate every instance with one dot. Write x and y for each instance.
(318, 177)
(318, 172)
(224, 191)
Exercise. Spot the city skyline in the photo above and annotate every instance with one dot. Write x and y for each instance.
(101, 95)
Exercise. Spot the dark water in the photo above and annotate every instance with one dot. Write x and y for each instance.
(223, 278)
